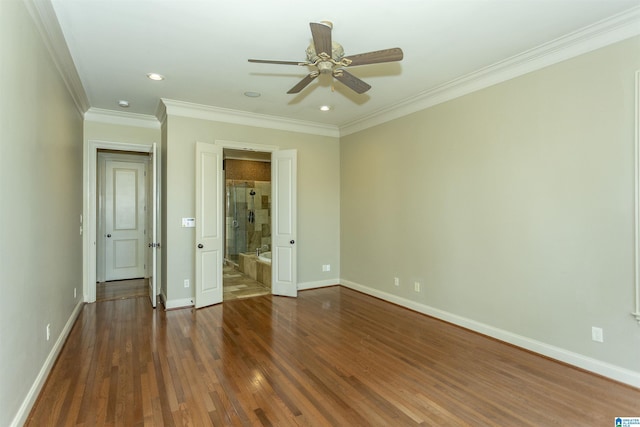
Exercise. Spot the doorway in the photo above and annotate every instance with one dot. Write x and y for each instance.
(247, 248)
(91, 215)
(121, 289)
(210, 224)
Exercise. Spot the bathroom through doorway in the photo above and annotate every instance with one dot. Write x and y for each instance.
(247, 249)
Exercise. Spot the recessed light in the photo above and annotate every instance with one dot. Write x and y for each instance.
(325, 108)
(252, 94)
(123, 103)
(155, 76)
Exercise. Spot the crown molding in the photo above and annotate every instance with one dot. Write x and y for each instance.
(46, 22)
(205, 112)
(120, 118)
(161, 112)
(600, 34)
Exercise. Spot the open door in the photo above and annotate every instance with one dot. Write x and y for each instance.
(153, 244)
(209, 222)
(284, 254)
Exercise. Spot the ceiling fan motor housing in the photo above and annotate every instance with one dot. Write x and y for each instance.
(337, 53)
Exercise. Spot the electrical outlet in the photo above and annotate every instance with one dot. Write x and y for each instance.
(396, 281)
(48, 331)
(186, 283)
(326, 267)
(597, 335)
(416, 286)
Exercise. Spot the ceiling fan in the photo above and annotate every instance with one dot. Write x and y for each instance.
(328, 57)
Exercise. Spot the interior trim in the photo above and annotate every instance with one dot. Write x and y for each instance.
(89, 210)
(121, 118)
(47, 24)
(226, 115)
(592, 37)
(636, 157)
(608, 370)
(41, 379)
(600, 34)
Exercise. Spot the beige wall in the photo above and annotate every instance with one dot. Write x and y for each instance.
(318, 196)
(40, 207)
(123, 133)
(513, 206)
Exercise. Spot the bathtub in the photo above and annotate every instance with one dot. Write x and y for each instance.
(265, 257)
(257, 268)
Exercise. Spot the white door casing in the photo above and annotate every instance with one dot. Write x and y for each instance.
(89, 219)
(153, 238)
(125, 200)
(209, 251)
(284, 252)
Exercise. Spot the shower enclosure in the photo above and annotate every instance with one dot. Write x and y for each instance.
(236, 239)
(248, 217)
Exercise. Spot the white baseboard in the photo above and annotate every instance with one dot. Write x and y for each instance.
(176, 303)
(599, 367)
(34, 391)
(318, 284)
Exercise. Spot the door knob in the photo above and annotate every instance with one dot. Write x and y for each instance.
(200, 246)
(108, 235)
(292, 241)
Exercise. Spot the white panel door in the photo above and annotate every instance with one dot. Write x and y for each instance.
(124, 220)
(209, 221)
(153, 239)
(284, 253)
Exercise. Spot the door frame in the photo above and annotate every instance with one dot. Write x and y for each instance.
(248, 146)
(89, 209)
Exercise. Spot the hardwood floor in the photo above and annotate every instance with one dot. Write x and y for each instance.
(121, 289)
(332, 356)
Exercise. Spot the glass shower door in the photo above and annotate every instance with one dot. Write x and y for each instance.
(236, 220)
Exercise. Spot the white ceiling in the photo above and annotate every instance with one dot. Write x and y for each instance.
(202, 47)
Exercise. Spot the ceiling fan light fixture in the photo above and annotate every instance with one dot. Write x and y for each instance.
(325, 108)
(155, 76)
(327, 57)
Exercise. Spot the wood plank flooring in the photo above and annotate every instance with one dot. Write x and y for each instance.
(332, 356)
(121, 289)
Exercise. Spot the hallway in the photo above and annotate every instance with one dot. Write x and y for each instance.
(121, 289)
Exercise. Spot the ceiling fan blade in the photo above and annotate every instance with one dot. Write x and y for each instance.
(321, 37)
(303, 83)
(386, 55)
(268, 61)
(351, 81)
